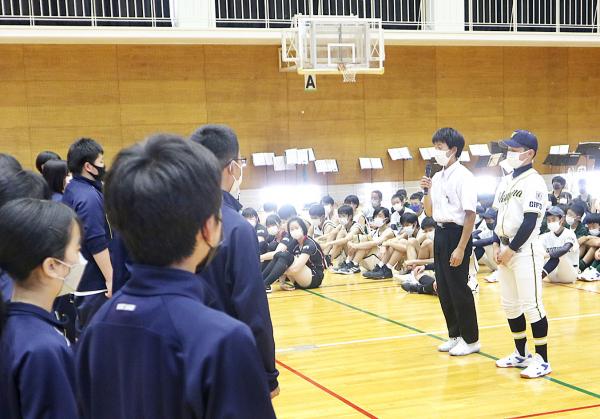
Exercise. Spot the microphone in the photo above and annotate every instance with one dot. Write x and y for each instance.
(427, 174)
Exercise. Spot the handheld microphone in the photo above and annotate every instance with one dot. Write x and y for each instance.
(427, 174)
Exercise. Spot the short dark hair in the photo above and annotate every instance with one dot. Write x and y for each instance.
(385, 211)
(428, 222)
(402, 192)
(378, 193)
(352, 199)
(44, 157)
(273, 220)
(327, 200)
(560, 180)
(346, 210)
(578, 208)
(9, 165)
(250, 213)
(450, 137)
(23, 184)
(316, 210)
(270, 207)
(176, 187)
(397, 196)
(300, 222)
(55, 172)
(409, 217)
(82, 151)
(221, 140)
(564, 208)
(287, 211)
(417, 195)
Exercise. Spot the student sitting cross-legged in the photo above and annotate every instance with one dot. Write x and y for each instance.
(561, 247)
(302, 262)
(349, 230)
(155, 349)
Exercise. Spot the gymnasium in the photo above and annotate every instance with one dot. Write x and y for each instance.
(340, 115)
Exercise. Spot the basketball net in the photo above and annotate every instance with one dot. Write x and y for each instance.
(348, 73)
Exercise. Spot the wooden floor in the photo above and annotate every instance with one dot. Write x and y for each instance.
(364, 348)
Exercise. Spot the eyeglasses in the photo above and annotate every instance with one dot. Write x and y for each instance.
(242, 161)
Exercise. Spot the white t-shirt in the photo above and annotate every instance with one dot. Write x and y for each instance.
(517, 196)
(552, 241)
(453, 192)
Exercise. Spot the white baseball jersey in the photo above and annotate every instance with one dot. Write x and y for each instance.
(552, 241)
(517, 196)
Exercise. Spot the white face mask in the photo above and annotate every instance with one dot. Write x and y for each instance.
(408, 230)
(73, 278)
(237, 183)
(562, 201)
(343, 221)
(570, 220)
(441, 157)
(477, 219)
(430, 235)
(273, 230)
(513, 159)
(252, 222)
(297, 234)
(397, 207)
(595, 232)
(375, 204)
(378, 222)
(327, 209)
(315, 222)
(554, 226)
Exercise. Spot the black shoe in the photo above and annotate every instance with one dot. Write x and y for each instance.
(384, 273)
(342, 267)
(268, 289)
(368, 274)
(410, 287)
(328, 261)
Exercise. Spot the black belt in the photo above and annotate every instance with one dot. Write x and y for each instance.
(504, 240)
(449, 225)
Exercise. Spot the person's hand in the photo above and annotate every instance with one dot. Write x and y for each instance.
(496, 248)
(425, 182)
(457, 257)
(109, 286)
(418, 270)
(505, 256)
(275, 393)
(351, 245)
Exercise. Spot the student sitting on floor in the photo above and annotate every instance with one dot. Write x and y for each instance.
(324, 230)
(573, 219)
(483, 240)
(359, 217)
(376, 199)
(588, 244)
(398, 201)
(419, 251)
(592, 273)
(369, 251)
(416, 205)
(277, 239)
(561, 247)
(302, 262)
(252, 217)
(269, 208)
(395, 249)
(330, 208)
(349, 230)
(420, 282)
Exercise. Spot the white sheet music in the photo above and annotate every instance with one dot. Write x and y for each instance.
(479, 150)
(263, 159)
(426, 153)
(326, 166)
(464, 156)
(367, 163)
(279, 163)
(402, 153)
(291, 156)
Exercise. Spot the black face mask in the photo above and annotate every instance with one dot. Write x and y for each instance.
(101, 173)
(210, 255)
(556, 186)
(490, 225)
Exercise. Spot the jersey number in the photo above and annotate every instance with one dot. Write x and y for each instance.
(535, 205)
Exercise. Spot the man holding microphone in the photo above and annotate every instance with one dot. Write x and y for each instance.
(452, 204)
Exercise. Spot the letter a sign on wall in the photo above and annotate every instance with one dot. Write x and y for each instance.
(310, 82)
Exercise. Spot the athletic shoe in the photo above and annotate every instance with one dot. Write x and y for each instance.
(537, 368)
(355, 269)
(410, 287)
(449, 344)
(268, 289)
(473, 284)
(368, 274)
(328, 261)
(350, 269)
(463, 348)
(493, 277)
(287, 285)
(384, 273)
(342, 266)
(589, 275)
(515, 360)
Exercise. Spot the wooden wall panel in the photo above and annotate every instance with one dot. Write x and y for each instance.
(52, 95)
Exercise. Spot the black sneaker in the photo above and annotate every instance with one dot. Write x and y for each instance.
(341, 267)
(268, 289)
(368, 274)
(354, 269)
(410, 287)
(384, 273)
(328, 262)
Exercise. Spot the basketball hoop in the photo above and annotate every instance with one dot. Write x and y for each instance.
(348, 73)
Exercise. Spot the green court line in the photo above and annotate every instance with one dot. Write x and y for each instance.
(414, 329)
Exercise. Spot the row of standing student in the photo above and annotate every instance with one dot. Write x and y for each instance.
(190, 326)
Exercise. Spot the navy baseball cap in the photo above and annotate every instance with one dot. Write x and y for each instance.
(555, 211)
(490, 213)
(522, 138)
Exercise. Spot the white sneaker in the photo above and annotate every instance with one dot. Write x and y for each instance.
(493, 277)
(589, 275)
(537, 368)
(463, 348)
(515, 360)
(449, 344)
(473, 284)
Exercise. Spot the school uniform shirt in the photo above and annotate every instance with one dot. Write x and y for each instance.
(85, 197)
(6, 286)
(453, 192)
(37, 377)
(551, 241)
(315, 260)
(581, 230)
(155, 350)
(261, 231)
(395, 218)
(235, 282)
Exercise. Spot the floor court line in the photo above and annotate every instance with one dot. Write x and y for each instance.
(553, 412)
(305, 347)
(326, 390)
(434, 336)
(290, 294)
(578, 289)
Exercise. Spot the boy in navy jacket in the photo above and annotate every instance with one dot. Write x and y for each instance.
(155, 350)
